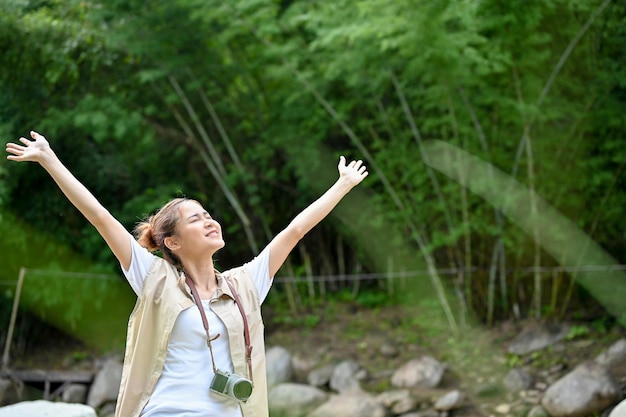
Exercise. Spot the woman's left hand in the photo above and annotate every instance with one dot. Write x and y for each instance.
(353, 173)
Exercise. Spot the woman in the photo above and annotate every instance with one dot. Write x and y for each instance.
(195, 337)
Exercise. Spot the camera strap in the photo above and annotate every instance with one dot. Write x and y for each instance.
(205, 323)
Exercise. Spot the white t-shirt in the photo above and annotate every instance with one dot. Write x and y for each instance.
(183, 388)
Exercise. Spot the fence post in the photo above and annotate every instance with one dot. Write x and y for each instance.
(16, 303)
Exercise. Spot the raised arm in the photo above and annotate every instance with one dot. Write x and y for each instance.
(38, 150)
(280, 247)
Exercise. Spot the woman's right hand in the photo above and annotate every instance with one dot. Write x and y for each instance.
(31, 150)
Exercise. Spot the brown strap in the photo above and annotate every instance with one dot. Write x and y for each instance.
(205, 322)
(246, 332)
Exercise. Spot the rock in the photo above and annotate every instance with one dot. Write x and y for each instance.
(107, 410)
(424, 372)
(517, 380)
(9, 391)
(619, 411)
(74, 393)
(488, 389)
(398, 401)
(424, 413)
(346, 376)
(588, 389)
(321, 376)
(350, 405)
(295, 400)
(47, 409)
(614, 356)
(538, 337)
(303, 365)
(279, 366)
(450, 401)
(106, 384)
(389, 350)
(538, 411)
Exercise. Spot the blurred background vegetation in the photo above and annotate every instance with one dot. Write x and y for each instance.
(246, 105)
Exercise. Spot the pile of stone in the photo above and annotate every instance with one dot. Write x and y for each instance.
(300, 387)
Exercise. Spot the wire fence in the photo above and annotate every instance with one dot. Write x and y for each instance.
(354, 276)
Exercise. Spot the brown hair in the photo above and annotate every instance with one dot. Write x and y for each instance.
(151, 232)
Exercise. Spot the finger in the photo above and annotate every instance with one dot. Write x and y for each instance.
(13, 148)
(15, 153)
(34, 135)
(25, 141)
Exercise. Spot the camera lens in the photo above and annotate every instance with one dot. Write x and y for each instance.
(242, 390)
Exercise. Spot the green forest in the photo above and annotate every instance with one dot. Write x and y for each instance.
(494, 133)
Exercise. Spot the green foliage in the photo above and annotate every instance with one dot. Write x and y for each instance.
(577, 331)
(245, 105)
(307, 321)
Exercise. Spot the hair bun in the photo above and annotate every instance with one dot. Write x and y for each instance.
(145, 235)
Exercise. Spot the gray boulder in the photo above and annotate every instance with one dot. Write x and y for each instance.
(588, 389)
(538, 337)
(517, 380)
(425, 372)
(614, 356)
(346, 377)
(450, 401)
(74, 393)
(397, 401)
(279, 366)
(106, 384)
(350, 405)
(295, 400)
(321, 376)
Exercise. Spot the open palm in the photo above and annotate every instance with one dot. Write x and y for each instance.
(354, 172)
(30, 150)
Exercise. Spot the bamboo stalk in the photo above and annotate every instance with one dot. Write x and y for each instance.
(291, 289)
(217, 161)
(498, 247)
(390, 286)
(594, 225)
(306, 260)
(467, 242)
(530, 170)
(230, 196)
(219, 126)
(423, 155)
(536, 236)
(568, 51)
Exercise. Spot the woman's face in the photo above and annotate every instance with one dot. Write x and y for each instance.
(197, 232)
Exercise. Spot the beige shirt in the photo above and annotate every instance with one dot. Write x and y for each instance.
(165, 295)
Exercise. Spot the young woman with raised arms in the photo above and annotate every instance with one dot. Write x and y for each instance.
(195, 344)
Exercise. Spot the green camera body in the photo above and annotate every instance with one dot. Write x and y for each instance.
(231, 386)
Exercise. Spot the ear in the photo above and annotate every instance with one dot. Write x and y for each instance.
(172, 243)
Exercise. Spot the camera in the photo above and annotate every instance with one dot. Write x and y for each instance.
(231, 385)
